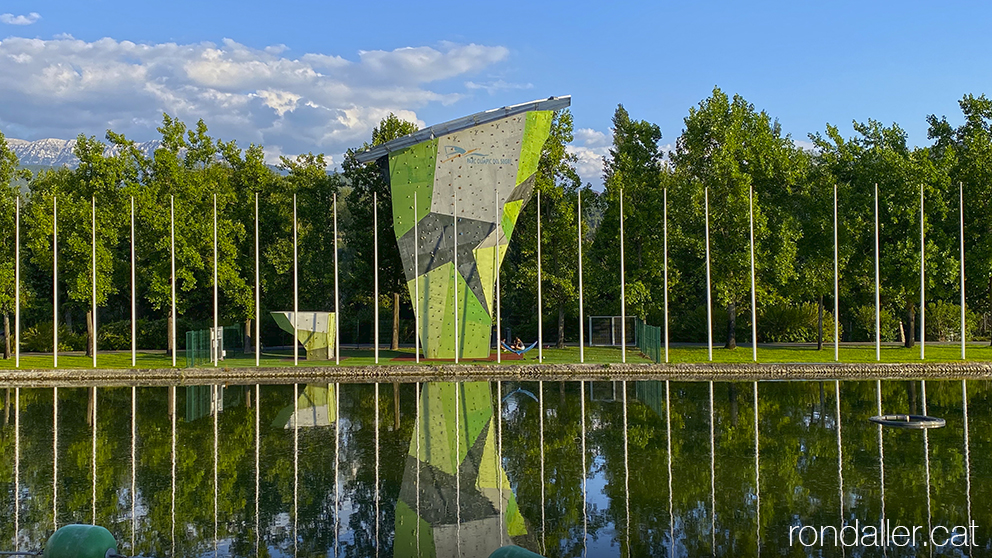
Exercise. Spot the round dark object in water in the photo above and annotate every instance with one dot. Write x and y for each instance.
(917, 422)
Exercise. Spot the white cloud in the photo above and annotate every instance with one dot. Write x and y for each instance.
(589, 147)
(11, 19)
(313, 102)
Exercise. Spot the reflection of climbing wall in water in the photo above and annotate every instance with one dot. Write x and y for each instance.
(457, 462)
(487, 172)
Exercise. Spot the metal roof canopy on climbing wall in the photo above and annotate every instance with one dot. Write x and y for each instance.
(551, 103)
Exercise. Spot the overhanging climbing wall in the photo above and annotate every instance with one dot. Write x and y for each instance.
(483, 173)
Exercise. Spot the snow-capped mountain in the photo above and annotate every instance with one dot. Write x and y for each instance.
(53, 152)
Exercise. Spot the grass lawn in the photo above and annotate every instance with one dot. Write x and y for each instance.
(853, 352)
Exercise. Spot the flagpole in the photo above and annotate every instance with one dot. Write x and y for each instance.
(172, 259)
(754, 296)
(623, 293)
(961, 236)
(93, 274)
(17, 281)
(836, 286)
(499, 334)
(337, 295)
(709, 293)
(454, 195)
(218, 336)
(134, 311)
(878, 311)
(582, 353)
(258, 293)
(923, 298)
(55, 282)
(296, 290)
(540, 307)
(666, 270)
(375, 271)
(416, 281)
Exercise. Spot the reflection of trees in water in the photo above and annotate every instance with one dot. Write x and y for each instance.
(798, 460)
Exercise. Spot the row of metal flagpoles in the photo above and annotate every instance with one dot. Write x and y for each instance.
(417, 309)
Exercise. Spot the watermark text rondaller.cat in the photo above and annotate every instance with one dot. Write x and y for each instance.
(885, 534)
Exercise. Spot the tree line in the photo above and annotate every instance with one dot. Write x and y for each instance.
(727, 149)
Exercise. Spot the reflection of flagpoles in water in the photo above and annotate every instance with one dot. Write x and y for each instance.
(712, 475)
(337, 465)
(626, 466)
(668, 441)
(416, 508)
(216, 392)
(926, 452)
(499, 449)
(757, 475)
(840, 463)
(93, 448)
(17, 467)
(540, 403)
(376, 403)
(881, 455)
(967, 455)
(55, 457)
(258, 407)
(296, 464)
(458, 435)
(172, 498)
(585, 499)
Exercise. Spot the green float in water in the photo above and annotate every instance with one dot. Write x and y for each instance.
(80, 541)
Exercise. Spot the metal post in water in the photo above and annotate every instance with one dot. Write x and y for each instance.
(582, 353)
(375, 271)
(623, 292)
(540, 308)
(709, 288)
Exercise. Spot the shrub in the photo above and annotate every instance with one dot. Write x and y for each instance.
(793, 323)
(40, 339)
(944, 322)
(863, 321)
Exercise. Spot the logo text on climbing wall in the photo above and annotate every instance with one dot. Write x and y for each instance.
(472, 156)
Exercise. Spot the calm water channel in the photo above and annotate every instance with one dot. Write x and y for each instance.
(457, 469)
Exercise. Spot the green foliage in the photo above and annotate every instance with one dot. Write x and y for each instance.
(863, 324)
(793, 323)
(944, 322)
(40, 339)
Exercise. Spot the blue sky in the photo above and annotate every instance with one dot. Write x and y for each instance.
(316, 76)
